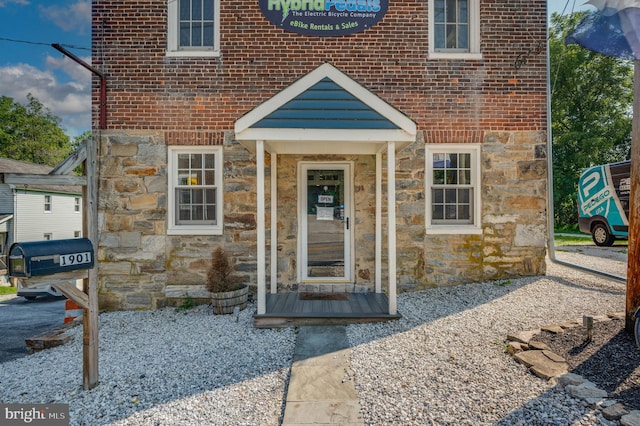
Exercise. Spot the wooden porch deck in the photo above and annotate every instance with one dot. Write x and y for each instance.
(288, 310)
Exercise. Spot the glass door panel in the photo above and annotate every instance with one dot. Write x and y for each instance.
(326, 239)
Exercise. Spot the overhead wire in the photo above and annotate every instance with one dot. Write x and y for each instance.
(557, 71)
(69, 46)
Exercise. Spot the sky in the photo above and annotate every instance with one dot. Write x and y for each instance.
(28, 63)
(31, 65)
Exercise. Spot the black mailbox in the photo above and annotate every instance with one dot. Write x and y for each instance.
(37, 258)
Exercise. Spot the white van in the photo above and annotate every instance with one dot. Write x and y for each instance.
(603, 202)
(32, 292)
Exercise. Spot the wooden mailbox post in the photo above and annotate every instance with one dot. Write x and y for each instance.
(87, 299)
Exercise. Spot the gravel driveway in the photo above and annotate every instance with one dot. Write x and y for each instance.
(442, 363)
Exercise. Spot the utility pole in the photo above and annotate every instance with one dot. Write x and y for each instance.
(633, 259)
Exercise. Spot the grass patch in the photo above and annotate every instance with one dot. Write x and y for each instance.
(568, 229)
(8, 290)
(578, 239)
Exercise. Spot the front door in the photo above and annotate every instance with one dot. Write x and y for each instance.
(325, 213)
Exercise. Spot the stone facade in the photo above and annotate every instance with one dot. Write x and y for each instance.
(141, 266)
(155, 101)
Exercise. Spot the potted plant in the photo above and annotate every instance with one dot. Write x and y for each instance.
(226, 288)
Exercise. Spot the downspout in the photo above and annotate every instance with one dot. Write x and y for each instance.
(550, 211)
(14, 229)
(103, 82)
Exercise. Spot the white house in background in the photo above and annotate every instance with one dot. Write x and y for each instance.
(36, 212)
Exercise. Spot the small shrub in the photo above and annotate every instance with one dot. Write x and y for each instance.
(220, 276)
(187, 303)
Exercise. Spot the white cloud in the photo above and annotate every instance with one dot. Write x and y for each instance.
(73, 17)
(70, 67)
(70, 101)
(3, 3)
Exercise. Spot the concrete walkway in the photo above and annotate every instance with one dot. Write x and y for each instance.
(321, 389)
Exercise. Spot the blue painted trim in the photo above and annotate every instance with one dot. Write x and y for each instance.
(325, 105)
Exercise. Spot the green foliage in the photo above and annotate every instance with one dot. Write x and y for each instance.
(77, 141)
(578, 239)
(31, 133)
(571, 228)
(8, 290)
(188, 302)
(591, 112)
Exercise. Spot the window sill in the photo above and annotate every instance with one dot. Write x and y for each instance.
(195, 230)
(454, 229)
(452, 55)
(193, 53)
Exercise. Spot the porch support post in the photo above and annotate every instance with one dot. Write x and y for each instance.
(378, 256)
(260, 229)
(274, 223)
(391, 213)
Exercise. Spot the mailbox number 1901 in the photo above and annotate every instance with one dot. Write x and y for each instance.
(75, 258)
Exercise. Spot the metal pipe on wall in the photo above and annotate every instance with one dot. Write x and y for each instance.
(550, 210)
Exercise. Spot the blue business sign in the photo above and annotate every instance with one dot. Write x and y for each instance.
(324, 18)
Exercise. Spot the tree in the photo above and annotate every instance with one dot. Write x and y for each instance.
(591, 112)
(77, 140)
(31, 133)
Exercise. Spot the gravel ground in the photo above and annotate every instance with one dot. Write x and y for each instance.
(163, 367)
(442, 363)
(591, 256)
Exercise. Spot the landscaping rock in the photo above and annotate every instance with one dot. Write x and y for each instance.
(631, 419)
(586, 391)
(544, 364)
(533, 344)
(615, 412)
(571, 379)
(522, 336)
(553, 328)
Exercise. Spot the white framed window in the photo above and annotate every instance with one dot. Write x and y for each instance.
(77, 234)
(77, 202)
(452, 175)
(47, 204)
(454, 29)
(195, 191)
(48, 236)
(193, 28)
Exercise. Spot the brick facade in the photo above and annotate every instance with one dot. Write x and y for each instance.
(155, 101)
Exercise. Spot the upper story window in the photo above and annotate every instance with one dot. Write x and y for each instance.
(453, 189)
(47, 203)
(77, 202)
(193, 28)
(195, 190)
(454, 29)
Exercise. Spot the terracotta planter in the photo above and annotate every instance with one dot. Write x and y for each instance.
(225, 303)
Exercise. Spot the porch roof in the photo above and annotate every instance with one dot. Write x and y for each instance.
(325, 106)
(318, 101)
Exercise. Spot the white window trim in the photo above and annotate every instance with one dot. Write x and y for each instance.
(77, 205)
(173, 49)
(475, 151)
(474, 35)
(48, 206)
(172, 228)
